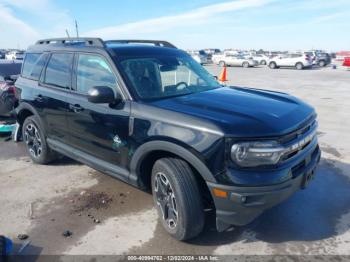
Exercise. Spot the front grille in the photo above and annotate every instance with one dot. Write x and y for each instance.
(298, 140)
(297, 169)
(294, 135)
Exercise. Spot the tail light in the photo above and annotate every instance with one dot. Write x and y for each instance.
(12, 90)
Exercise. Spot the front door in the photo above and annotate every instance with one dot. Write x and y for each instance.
(97, 129)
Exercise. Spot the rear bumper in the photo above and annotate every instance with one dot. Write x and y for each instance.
(243, 204)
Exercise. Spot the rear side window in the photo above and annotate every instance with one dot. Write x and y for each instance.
(93, 71)
(58, 70)
(33, 65)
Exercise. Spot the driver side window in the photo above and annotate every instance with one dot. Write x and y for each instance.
(93, 71)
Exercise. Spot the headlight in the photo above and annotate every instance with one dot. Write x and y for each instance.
(249, 154)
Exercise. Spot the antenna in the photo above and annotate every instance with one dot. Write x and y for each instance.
(76, 28)
(67, 33)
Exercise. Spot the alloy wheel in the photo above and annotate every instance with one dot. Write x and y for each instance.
(166, 200)
(33, 140)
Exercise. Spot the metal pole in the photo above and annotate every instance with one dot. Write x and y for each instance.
(67, 33)
(76, 28)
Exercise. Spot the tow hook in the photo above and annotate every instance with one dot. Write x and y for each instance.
(308, 178)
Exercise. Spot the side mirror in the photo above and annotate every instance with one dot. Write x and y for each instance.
(102, 95)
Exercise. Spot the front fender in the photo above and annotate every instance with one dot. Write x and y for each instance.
(175, 149)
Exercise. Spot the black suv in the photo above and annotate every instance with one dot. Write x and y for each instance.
(146, 113)
(323, 59)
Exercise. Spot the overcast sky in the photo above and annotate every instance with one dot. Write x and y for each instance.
(245, 24)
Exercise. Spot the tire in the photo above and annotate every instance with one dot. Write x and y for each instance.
(262, 62)
(273, 65)
(35, 141)
(299, 66)
(182, 196)
(322, 63)
(222, 63)
(245, 64)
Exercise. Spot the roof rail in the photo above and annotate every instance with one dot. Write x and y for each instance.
(88, 41)
(155, 42)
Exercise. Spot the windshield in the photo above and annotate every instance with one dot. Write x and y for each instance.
(160, 77)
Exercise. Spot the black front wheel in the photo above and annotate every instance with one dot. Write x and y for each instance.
(35, 141)
(177, 198)
(273, 65)
(245, 64)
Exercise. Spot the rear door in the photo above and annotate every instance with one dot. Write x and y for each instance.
(51, 94)
(100, 130)
(229, 60)
(283, 60)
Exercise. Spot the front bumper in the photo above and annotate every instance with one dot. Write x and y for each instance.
(244, 203)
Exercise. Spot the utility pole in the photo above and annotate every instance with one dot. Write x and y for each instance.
(67, 33)
(76, 28)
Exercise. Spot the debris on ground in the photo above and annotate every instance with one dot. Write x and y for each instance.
(67, 233)
(22, 236)
(97, 221)
(91, 200)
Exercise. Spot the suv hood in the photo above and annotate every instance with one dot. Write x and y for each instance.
(243, 112)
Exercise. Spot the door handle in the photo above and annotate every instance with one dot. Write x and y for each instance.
(76, 108)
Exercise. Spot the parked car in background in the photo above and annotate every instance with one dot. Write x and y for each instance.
(8, 75)
(199, 55)
(298, 61)
(346, 62)
(234, 60)
(210, 52)
(15, 55)
(312, 55)
(262, 59)
(2, 55)
(323, 59)
(340, 56)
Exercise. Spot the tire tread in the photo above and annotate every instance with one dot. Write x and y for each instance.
(186, 180)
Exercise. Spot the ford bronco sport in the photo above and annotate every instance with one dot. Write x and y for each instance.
(146, 113)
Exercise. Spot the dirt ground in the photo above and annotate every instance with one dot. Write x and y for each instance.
(106, 216)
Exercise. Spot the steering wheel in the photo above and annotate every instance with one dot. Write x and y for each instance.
(180, 84)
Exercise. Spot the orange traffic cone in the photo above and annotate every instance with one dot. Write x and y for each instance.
(223, 75)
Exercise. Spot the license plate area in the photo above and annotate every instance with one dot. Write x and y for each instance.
(307, 178)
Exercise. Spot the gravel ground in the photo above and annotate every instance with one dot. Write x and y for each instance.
(106, 216)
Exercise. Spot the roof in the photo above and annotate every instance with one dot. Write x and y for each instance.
(120, 47)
